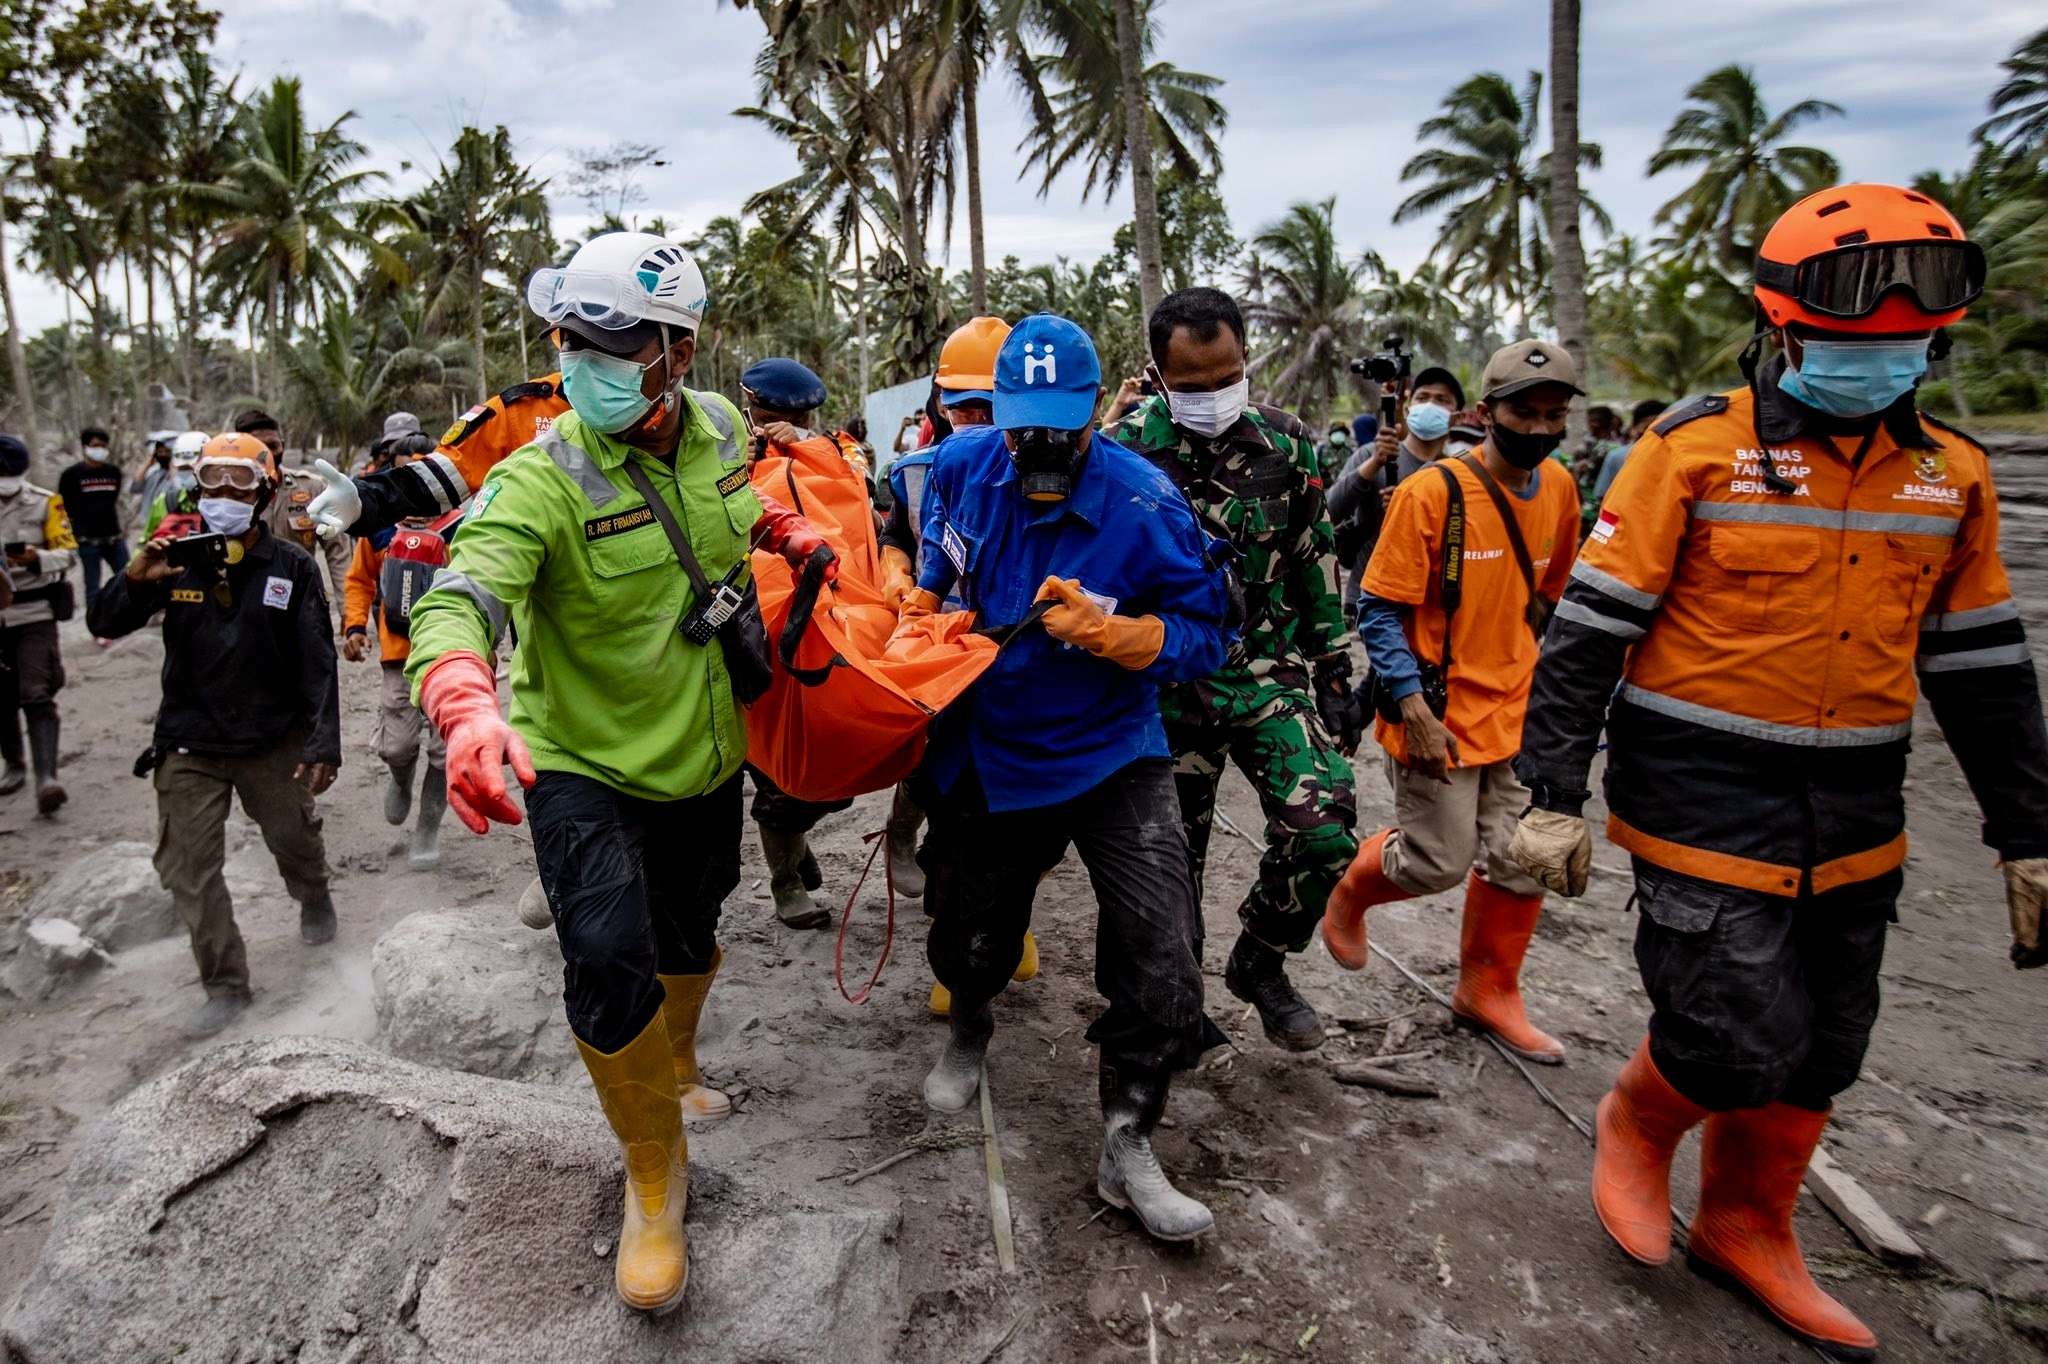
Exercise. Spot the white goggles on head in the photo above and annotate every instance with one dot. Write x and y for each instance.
(597, 298)
(229, 473)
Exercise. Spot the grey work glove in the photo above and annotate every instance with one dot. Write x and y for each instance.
(1555, 849)
(2026, 890)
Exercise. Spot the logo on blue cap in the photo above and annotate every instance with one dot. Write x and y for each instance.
(1047, 374)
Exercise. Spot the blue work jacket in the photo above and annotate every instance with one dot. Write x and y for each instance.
(1048, 721)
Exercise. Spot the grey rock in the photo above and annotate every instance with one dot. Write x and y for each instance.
(1962, 1317)
(51, 954)
(112, 894)
(472, 990)
(310, 1199)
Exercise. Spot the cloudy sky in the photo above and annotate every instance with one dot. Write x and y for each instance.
(1324, 95)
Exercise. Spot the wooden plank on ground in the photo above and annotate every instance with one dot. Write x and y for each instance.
(1863, 1215)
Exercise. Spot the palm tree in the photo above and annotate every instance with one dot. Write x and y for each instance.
(1568, 251)
(1306, 308)
(1748, 174)
(291, 209)
(1108, 99)
(1693, 323)
(1422, 308)
(2019, 107)
(1495, 185)
(468, 215)
(199, 147)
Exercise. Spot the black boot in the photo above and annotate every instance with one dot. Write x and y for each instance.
(956, 1076)
(1128, 1175)
(785, 853)
(14, 776)
(316, 920)
(1257, 975)
(398, 793)
(42, 748)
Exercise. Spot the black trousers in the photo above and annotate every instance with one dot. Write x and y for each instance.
(775, 808)
(31, 675)
(982, 872)
(636, 887)
(1760, 999)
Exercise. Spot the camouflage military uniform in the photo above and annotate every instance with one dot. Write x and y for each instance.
(1260, 487)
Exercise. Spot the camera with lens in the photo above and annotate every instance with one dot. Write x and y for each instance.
(1389, 367)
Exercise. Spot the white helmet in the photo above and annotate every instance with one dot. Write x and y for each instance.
(185, 449)
(617, 280)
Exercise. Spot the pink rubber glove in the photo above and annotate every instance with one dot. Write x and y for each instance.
(460, 696)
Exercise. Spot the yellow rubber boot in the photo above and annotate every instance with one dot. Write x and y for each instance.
(682, 1002)
(1027, 966)
(637, 1087)
(941, 1002)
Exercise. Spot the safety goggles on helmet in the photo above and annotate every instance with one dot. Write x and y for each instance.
(1851, 281)
(215, 474)
(595, 298)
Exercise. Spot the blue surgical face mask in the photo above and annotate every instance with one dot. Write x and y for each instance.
(604, 390)
(1855, 378)
(1428, 421)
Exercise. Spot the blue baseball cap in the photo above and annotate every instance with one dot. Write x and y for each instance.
(1046, 375)
(783, 384)
(953, 397)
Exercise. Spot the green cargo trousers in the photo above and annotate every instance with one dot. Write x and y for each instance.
(192, 793)
(1305, 788)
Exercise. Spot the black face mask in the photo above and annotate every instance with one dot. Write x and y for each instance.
(1047, 461)
(1525, 449)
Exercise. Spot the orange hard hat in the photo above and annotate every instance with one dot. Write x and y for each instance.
(1869, 259)
(235, 451)
(968, 359)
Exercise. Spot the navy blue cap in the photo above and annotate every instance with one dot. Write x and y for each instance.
(784, 385)
(13, 457)
(1364, 427)
(1046, 375)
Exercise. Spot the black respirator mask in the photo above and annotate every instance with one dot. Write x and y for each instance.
(1525, 449)
(1047, 461)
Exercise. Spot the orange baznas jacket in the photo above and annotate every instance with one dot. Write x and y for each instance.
(1749, 618)
(469, 450)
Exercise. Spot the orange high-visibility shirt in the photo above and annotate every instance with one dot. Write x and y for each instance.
(1493, 651)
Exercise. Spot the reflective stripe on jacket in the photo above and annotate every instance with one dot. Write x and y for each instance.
(1765, 621)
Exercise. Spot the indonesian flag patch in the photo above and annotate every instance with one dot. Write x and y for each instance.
(1604, 528)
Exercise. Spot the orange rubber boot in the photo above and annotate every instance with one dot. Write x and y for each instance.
(1495, 938)
(1635, 1131)
(1751, 1165)
(1364, 885)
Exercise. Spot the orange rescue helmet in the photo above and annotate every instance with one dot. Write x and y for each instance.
(968, 359)
(1867, 259)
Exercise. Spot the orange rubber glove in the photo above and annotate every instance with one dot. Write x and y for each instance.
(460, 696)
(1127, 641)
(782, 531)
(898, 581)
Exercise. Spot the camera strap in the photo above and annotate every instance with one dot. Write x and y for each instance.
(676, 539)
(1536, 613)
(1452, 587)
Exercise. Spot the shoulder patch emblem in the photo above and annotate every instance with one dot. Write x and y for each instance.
(1712, 405)
(483, 500)
(1931, 466)
(733, 482)
(598, 527)
(465, 424)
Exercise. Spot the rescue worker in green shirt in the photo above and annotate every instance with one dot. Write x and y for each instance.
(625, 731)
(1252, 474)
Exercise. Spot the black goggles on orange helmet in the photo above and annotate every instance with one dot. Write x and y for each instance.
(1850, 281)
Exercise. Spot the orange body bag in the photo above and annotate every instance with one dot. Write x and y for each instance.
(846, 713)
